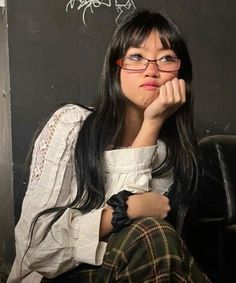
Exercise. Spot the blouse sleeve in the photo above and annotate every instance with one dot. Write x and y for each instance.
(52, 183)
(131, 168)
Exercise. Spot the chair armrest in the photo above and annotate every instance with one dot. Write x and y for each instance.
(218, 154)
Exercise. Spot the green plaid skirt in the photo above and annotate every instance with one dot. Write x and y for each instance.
(148, 251)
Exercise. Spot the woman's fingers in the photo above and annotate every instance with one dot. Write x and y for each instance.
(182, 88)
(173, 93)
(172, 96)
(170, 92)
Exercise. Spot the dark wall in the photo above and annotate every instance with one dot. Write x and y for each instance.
(55, 58)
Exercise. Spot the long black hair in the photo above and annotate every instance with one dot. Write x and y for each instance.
(103, 126)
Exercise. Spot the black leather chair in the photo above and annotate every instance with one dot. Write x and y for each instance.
(212, 239)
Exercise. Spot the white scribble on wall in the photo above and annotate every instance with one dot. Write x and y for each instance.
(84, 5)
(123, 7)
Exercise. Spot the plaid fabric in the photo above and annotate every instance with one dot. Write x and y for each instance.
(148, 251)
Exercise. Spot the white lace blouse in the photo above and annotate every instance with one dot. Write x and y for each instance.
(74, 238)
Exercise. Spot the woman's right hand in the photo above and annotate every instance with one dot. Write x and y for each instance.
(172, 96)
(148, 204)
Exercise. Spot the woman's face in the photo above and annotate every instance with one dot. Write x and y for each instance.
(142, 88)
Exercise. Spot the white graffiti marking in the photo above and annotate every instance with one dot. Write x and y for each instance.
(121, 6)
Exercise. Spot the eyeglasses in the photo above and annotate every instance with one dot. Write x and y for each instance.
(138, 63)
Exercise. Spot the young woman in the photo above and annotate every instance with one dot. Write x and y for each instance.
(104, 179)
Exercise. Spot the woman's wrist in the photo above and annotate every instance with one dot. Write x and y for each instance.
(148, 133)
(120, 217)
(134, 209)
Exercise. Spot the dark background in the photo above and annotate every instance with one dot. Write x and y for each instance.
(55, 58)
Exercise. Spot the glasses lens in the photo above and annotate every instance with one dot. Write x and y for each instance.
(169, 65)
(132, 63)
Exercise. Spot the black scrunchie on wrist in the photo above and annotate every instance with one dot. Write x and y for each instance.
(120, 218)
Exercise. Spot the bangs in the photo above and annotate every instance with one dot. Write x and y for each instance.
(136, 36)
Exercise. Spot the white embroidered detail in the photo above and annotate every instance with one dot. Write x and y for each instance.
(42, 146)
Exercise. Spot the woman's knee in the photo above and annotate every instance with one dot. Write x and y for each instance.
(151, 223)
(146, 235)
(153, 227)
(142, 249)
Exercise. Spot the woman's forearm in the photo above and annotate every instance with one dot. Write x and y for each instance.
(148, 133)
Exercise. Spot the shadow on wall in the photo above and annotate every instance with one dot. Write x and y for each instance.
(3, 272)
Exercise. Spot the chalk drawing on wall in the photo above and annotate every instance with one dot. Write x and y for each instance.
(122, 6)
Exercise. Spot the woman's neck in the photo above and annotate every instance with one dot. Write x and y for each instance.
(132, 126)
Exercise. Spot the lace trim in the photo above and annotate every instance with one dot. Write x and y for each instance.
(42, 147)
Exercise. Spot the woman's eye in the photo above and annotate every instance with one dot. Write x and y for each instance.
(167, 58)
(135, 57)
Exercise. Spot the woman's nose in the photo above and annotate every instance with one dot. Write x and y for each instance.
(152, 70)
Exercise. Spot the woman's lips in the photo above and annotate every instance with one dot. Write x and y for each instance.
(150, 86)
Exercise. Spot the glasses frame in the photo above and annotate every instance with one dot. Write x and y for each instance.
(119, 62)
